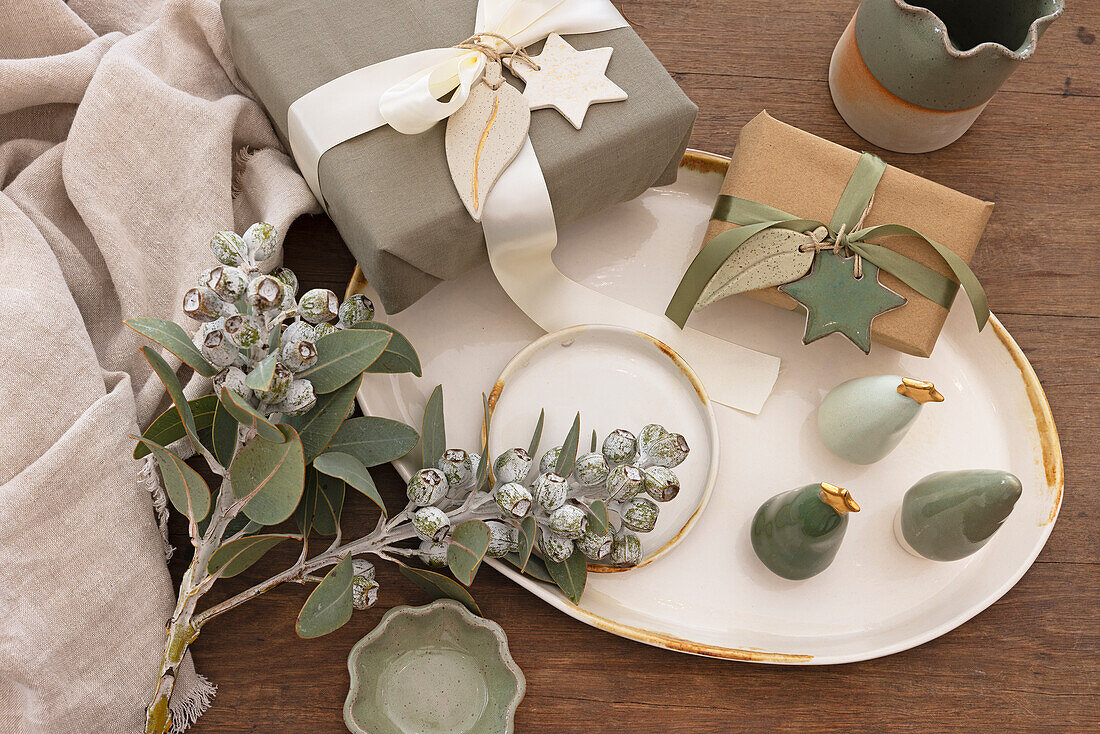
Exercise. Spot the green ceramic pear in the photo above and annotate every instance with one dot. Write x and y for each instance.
(951, 514)
(796, 534)
(864, 419)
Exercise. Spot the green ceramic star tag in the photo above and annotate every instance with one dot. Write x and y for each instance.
(836, 300)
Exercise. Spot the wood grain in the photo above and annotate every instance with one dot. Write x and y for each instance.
(1029, 663)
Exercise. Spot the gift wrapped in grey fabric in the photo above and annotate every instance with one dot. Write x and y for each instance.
(391, 195)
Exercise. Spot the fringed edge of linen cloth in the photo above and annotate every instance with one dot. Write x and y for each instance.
(186, 710)
(150, 480)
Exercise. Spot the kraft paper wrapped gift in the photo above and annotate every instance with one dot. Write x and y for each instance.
(784, 167)
(391, 195)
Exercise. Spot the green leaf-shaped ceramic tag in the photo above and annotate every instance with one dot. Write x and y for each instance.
(351, 470)
(329, 607)
(439, 586)
(373, 440)
(766, 259)
(168, 426)
(272, 475)
(172, 337)
(237, 555)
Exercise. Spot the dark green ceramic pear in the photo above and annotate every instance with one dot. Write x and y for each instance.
(951, 514)
(797, 534)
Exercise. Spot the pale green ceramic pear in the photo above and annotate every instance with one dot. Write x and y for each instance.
(951, 514)
(864, 419)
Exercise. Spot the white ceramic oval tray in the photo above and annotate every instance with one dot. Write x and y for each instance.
(710, 595)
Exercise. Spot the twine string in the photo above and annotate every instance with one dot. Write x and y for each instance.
(476, 43)
(824, 240)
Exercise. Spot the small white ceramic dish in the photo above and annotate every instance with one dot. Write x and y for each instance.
(435, 669)
(615, 378)
(711, 595)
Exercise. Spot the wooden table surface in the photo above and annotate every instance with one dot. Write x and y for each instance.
(1027, 663)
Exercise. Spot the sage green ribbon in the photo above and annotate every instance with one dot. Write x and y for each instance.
(754, 217)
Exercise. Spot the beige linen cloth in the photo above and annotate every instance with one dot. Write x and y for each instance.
(126, 140)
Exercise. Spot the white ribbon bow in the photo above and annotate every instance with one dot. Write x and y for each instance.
(518, 219)
(404, 92)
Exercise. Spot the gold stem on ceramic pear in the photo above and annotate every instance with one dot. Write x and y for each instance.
(838, 498)
(919, 390)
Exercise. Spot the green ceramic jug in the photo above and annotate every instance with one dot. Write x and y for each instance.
(913, 76)
(951, 514)
(864, 419)
(796, 534)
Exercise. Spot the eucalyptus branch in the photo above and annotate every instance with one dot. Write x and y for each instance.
(292, 363)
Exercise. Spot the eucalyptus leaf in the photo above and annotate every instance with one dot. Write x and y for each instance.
(568, 455)
(172, 337)
(482, 480)
(534, 567)
(342, 356)
(569, 575)
(168, 426)
(186, 489)
(261, 375)
(329, 504)
(307, 506)
(594, 443)
(536, 437)
(597, 517)
(237, 555)
(223, 435)
(175, 391)
(319, 424)
(439, 586)
(373, 440)
(351, 470)
(399, 355)
(329, 607)
(528, 530)
(272, 474)
(466, 549)
(433, 436)
(246, 415)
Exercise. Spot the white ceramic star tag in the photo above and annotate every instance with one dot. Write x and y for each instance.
(567, 79)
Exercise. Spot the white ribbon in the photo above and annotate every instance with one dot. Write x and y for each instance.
(518, 219)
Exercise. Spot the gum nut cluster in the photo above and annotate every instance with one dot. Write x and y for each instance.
(248, 316)
(630, 475)
(364, 589)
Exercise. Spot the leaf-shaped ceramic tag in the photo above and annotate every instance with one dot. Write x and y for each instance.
(484, 136)
(766, 259)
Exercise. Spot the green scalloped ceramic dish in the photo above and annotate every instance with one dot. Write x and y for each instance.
(435, 669)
